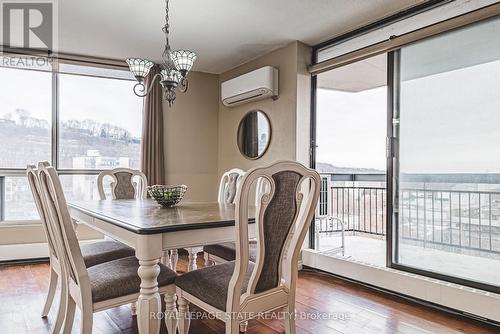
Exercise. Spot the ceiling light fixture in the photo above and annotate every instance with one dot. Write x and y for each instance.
(175, 65)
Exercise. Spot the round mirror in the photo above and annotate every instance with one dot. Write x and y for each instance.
(254, 134)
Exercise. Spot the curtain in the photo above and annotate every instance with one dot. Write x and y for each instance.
(152, 152)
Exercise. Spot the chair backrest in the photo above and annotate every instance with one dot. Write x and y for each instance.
(229, 185)
(57, 214)
(123, 186)
(282, 220)
(34, 183)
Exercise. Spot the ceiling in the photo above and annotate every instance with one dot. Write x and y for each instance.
(356, 77)
(224, 33)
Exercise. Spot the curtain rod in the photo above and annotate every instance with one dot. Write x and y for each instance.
(70, 57)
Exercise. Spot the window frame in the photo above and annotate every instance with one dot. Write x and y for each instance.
(467, 19)
(55, 125)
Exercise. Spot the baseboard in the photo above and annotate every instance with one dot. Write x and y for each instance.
(24, 253)
(479, 303)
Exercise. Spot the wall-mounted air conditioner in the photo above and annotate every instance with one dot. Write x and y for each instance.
(256, 85)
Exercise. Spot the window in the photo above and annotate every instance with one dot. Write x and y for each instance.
(25, 116)
(351, 131)
(98, 121)
(437, 101)
(448, 165)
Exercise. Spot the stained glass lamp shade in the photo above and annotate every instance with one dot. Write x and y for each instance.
(183, 60)
(139, 67)
(170, 76)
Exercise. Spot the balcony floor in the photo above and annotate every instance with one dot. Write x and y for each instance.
(371, 250)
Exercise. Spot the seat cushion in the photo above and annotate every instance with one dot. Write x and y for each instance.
(210, 284)
(227, 250)
(104, 251)
(119, 278)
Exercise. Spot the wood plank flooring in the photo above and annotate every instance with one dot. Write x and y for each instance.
(349, 309)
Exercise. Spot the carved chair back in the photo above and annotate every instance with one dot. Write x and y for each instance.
(229, 185)
(284, 212)
(34, 184)
(123, 185)
(59, 217)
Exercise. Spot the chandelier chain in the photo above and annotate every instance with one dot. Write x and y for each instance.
(167, 62)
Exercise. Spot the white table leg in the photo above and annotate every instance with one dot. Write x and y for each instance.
(148, 252)
(193, 256)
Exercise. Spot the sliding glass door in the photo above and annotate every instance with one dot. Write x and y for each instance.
(447, 170)
(350, 157)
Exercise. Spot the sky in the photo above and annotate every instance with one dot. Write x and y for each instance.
(449, 108)
(449, 123)
(103, 100)
(351, 128)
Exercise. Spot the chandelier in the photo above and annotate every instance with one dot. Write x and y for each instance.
(174, 67)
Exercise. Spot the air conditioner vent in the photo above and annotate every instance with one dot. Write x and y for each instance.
(256, 85)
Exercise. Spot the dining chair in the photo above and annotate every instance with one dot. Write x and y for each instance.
(223, 252)
(123, 186)
(99, 287)
(93, 253)
(218, 253)
(236, 291)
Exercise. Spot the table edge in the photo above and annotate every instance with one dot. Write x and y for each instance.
(155, 230)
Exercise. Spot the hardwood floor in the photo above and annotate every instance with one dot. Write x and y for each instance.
(350, 309)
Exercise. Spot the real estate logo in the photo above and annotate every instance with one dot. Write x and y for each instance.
(28, 25)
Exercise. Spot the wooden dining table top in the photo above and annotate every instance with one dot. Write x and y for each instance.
(145, 216)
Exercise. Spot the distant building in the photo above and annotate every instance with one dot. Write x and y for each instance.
(93, 160)
(5, 121)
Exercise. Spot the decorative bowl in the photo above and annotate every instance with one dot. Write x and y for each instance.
(167, 196)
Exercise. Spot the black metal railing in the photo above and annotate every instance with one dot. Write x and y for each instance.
(460, 219)
(362, 209)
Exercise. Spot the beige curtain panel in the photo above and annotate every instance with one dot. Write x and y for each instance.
(152, 156)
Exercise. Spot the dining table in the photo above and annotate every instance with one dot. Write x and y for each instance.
(152, 229)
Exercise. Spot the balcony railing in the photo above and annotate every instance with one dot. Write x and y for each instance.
(440, 218)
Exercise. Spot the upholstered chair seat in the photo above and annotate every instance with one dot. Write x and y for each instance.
(227, 250)
(210, 284)
(103, 251)
(119, 278)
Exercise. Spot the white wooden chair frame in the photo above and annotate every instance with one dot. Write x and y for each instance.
(140, 189)
(224, 180)
(170, 257)
(211, 259)
(55, 266)
(75, 279)
(282, 296)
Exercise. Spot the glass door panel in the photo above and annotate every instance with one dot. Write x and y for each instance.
(448, 219)
(351, 132)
